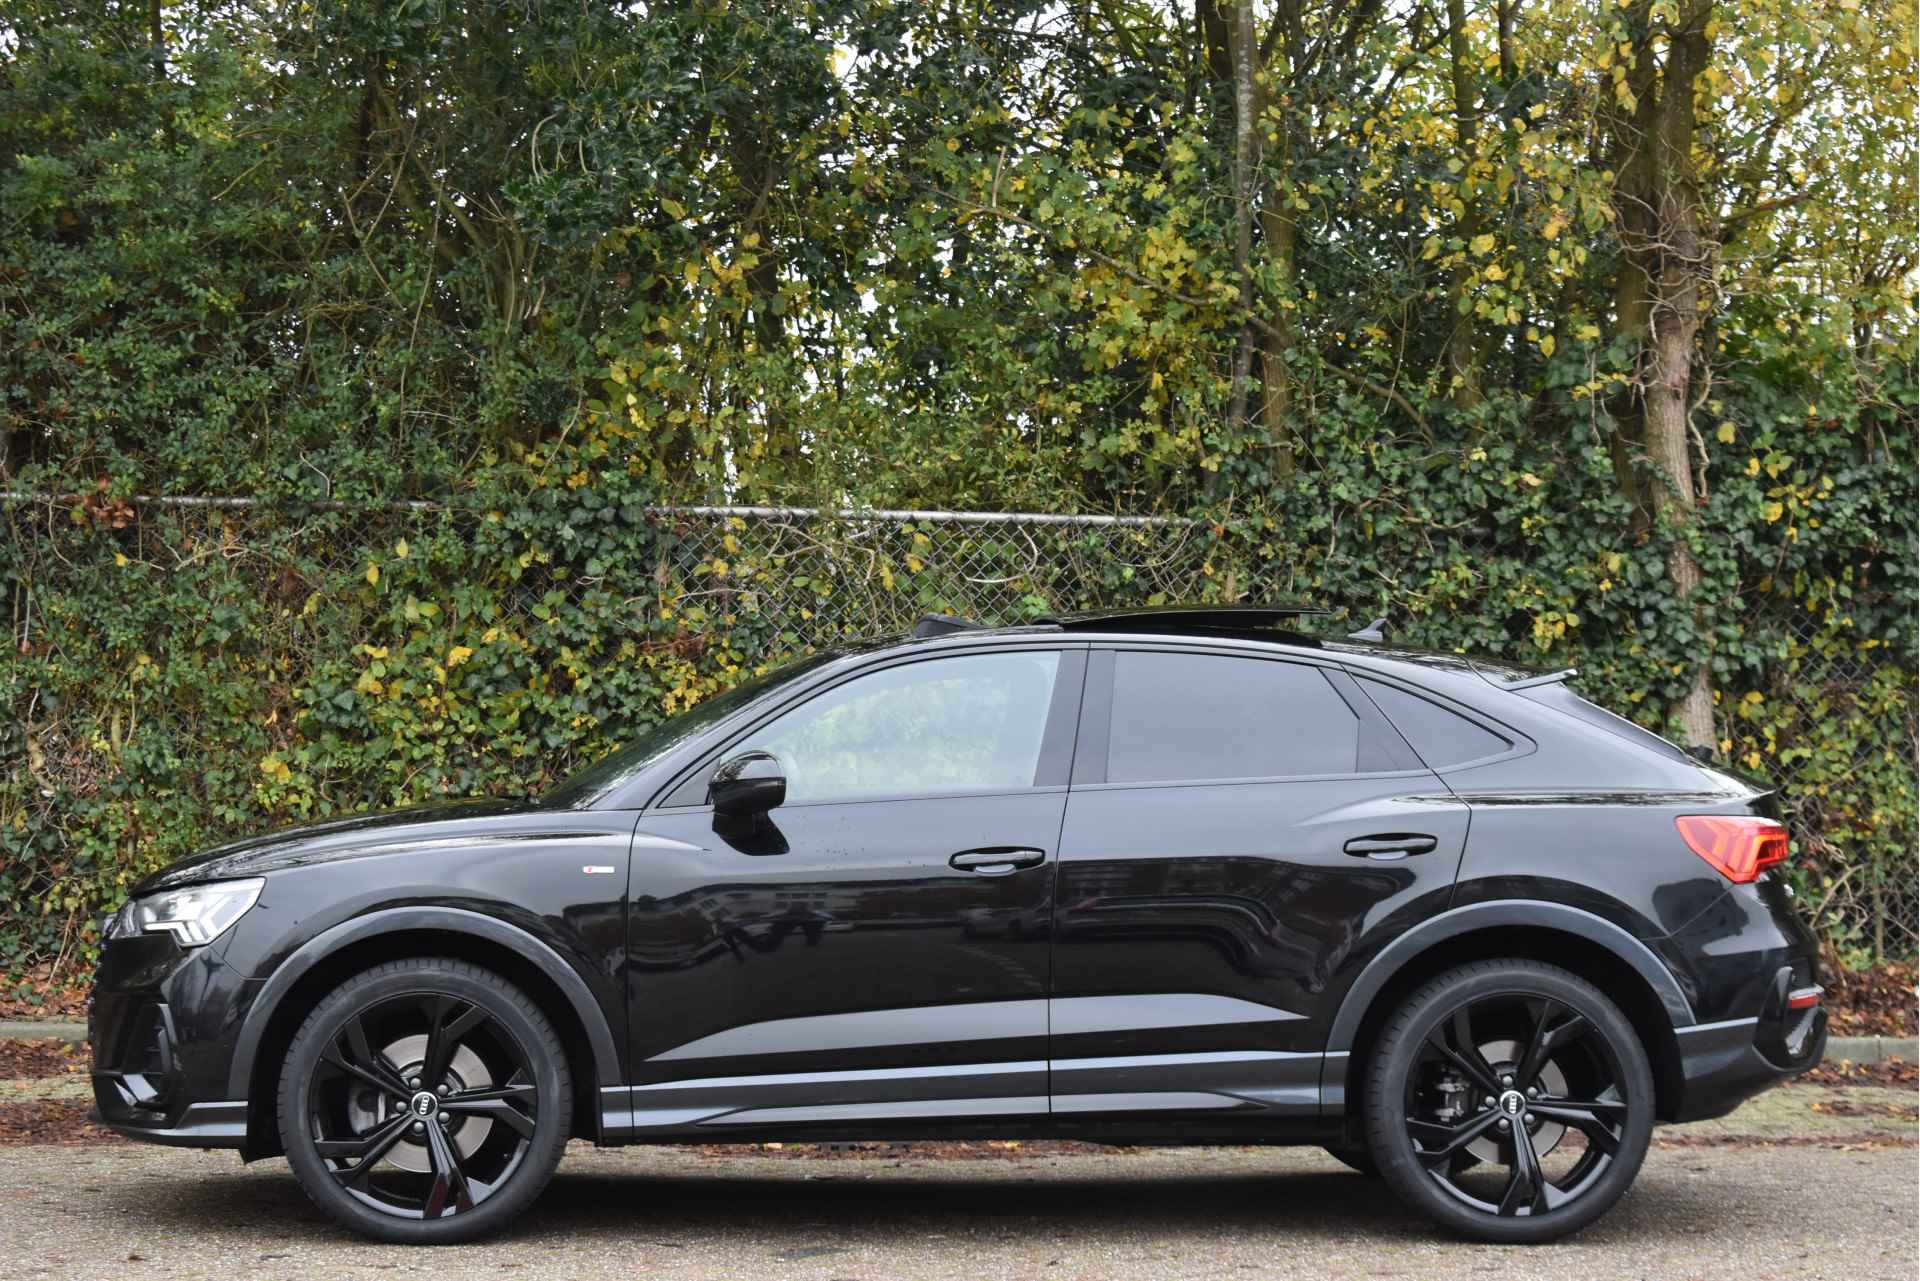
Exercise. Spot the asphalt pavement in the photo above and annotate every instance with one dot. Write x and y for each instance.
(1806, 1182)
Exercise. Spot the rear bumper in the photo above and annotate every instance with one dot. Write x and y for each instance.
(1724, 1064)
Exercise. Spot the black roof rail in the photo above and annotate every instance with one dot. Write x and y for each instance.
(932, 625)
(1245, 622)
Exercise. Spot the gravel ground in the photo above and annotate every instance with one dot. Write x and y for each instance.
(1811, 1181)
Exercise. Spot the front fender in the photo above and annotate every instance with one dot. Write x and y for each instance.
(454, 920)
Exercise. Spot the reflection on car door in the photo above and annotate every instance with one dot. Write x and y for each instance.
(877, 948)
(1239, 829)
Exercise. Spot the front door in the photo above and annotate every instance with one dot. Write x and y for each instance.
(875, 949)
(1240, 830)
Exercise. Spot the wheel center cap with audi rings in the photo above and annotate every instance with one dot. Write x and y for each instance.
(1512, 1102)
(424, 1105)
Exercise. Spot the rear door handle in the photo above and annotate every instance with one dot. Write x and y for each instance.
(998, 860)
(1387, 846)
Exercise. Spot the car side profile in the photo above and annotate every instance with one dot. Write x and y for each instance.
(1174, 876)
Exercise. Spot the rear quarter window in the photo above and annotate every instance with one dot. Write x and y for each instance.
(1439, 736)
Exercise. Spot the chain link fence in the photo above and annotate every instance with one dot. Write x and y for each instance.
(776, 581)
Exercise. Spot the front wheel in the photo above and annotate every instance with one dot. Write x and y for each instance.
(425, 1102)
(1509, 1100)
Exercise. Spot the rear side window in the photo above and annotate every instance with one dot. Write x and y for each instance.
(1441, 737)
(1194, 717)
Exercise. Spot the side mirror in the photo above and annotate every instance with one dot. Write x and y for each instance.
(747, 785)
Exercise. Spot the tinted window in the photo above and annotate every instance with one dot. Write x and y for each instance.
(1557, 695)
(1205, 716)
(614, 770)
(1441, 737)
(972, 723)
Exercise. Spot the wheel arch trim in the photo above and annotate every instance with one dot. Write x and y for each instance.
(1504, 913)
(274, 990)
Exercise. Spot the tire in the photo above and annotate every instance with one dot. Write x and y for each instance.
(1559, 1061)
(425, 1102)
(1359, 1160)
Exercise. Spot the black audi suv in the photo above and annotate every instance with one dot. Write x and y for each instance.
(1172, 876)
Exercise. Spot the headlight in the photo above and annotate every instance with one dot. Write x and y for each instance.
(195, 915)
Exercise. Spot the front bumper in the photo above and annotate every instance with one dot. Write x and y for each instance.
(162, 1021)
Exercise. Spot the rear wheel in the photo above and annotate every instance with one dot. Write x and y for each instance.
(425, 1101)
(1509, 1100)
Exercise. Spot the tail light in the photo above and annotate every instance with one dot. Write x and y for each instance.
(1740, 846)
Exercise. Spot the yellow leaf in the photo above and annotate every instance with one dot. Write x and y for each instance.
(1588, 333)
(1725, 433)
(1547, 345)
(1753, 466)
(373, 575)
(1482, 244)
(275, 768)
(692, 272)
(368, 684)
(1531, 480)
(953, 144)
(400, 549)
(120, 559)
(1773, 512)
(458, 655)
(674, 207)
(1755, 698)
(1496, 272)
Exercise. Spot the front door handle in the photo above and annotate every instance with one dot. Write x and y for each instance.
(1387, 846)
(997, 860)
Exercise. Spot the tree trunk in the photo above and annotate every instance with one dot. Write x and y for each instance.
(1216, 39)
(1246, 144)
(1667, 268)
(1463, 354)
(1280, 230)
(1686, 268)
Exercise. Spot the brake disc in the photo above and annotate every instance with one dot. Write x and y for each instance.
(368, 1109)
(1504, 1056)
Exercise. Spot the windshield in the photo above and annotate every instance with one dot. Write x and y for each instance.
(596, 781)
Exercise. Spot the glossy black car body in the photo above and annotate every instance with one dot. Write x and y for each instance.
(1090, 953)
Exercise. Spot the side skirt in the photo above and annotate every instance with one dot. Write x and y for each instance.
(1215, 1096)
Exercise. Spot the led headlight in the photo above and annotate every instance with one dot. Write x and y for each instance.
(195, 915)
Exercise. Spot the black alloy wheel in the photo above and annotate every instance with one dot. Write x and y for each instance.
(1509, 1100)
(425, 1101)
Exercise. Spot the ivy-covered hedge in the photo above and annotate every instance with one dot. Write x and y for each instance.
(549, 269)
(186, 674)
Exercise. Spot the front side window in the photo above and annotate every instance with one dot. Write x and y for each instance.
(971, 723)
(1199, 717)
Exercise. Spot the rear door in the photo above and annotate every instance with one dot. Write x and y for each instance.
(1241, 831)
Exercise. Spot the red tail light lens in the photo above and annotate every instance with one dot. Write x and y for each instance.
(1739, 846)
